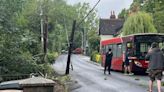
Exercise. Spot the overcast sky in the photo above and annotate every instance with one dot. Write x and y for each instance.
(106, 6)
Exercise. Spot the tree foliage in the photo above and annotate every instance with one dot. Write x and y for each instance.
(123, 14)
(94, 40)
(20, 44)
(153, 7)
(139, 22)
(156, 8)
(88, 24)
(16, 43)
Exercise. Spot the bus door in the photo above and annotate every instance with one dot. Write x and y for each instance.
(130, 48)
(103, 51)
(117, 57)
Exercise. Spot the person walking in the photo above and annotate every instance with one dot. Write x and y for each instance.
(155, 68)
(108, 60)
(126, 60)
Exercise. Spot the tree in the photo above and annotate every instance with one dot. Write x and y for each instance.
(124, 14)
(159, 21)
(139, 22)
(61, 19)
(94, 40)
(156, 8)
(88, 24)
(20, 44)
(135, 6)
(14, 58)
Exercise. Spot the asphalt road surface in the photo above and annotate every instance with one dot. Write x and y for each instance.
(90, 77)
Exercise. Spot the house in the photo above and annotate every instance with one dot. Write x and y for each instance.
(108, 28)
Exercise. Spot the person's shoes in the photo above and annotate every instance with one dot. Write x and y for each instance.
(109, 73)
(131, 73)
(125, 74)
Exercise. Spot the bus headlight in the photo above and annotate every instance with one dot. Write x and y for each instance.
(138, 64)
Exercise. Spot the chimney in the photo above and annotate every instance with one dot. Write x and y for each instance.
(112, 16)
(113, 13)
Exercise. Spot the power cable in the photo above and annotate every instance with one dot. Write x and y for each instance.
(88, 14)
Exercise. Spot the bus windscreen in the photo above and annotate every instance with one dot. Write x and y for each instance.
(143, 43)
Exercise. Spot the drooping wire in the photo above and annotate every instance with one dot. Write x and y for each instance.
(88, 14)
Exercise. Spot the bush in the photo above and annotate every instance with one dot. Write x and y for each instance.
(93, 56)
(51, 57)
(96, 57)
(19, 64)
(46, 69)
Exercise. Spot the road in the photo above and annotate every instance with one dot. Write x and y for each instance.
(90, 77)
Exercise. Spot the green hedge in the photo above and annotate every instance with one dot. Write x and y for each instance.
(51, 57)
(93, 56)
(96, 57)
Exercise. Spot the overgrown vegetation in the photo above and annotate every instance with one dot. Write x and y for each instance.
(139, 22)
(20, 44)
(152, 13)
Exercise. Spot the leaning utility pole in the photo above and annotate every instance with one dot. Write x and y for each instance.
(41, 27)
(45, 35)
(70, 47)
(84, 41)
(45, 38)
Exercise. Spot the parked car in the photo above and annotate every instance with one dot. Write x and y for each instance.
(78, 51)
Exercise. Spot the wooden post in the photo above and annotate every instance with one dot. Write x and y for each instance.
(45, 38)
(70, 47)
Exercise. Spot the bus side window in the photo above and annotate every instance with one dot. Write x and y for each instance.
(107, 47)
(123, 47)
(114, 50)
(119, 50)
(103, 50)
(110, 46)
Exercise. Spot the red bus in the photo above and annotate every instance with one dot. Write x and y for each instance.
(137, 44)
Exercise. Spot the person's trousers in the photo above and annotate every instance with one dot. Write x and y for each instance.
(107, 65)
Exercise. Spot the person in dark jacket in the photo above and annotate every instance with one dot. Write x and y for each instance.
(108, 60)
(156, 63)
(126, 60)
